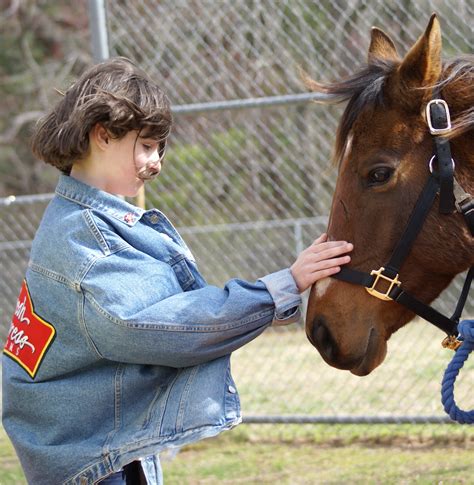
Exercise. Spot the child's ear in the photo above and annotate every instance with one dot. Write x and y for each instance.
(100, 136)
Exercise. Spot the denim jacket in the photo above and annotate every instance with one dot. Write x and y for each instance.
(118, 349)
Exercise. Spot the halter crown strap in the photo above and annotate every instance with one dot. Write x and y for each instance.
(439, 122)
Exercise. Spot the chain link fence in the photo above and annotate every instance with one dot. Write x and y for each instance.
(248, 178)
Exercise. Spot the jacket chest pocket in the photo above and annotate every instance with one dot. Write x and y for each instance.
(182, 271)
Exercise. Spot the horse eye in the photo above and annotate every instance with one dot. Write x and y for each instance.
(379, 175)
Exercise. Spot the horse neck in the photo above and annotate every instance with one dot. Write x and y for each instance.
(463, 156)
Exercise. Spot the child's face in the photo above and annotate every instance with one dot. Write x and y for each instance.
(132, 160)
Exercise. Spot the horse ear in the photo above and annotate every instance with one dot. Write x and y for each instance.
(381, 46)
(421, 66)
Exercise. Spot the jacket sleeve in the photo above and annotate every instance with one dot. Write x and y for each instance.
(134, 310)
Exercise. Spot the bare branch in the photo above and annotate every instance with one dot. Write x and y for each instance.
(11, 10)
(17, 123)
(34, 68)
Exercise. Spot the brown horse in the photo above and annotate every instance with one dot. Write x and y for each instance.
(383, 148)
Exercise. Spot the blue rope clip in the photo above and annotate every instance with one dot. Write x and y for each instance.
(466, 334)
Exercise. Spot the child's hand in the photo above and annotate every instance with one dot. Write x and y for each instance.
(320, 260)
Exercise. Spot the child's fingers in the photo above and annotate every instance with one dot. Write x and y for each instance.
(324, 273)
(331, 249)
(329, 263)
(320, 260)
(320, 239)
(321, 246)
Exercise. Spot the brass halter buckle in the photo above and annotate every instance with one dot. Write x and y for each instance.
(451, 342)
(378, 294)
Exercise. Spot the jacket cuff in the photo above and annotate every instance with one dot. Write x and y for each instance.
(284, 292)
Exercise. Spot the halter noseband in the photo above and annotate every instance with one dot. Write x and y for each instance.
(451, 197)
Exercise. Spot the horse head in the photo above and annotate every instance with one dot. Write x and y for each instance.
(383, 148)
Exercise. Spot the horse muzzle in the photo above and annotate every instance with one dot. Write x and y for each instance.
(361, 357)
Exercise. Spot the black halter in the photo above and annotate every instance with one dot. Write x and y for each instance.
(451, 197)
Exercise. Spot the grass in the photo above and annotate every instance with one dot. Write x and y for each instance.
(311, 454)
(229, 460)
(10, 470)
(280, 373)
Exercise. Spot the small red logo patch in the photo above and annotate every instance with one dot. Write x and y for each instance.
(30, 336)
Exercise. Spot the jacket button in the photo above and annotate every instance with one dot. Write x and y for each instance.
(154, 218)
(232, 389)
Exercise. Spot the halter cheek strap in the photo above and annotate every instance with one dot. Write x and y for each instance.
(388, 276)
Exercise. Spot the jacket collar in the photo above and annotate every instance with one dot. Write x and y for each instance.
(72, 189)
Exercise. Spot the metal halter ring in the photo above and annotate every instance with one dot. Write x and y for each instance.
(430, 164)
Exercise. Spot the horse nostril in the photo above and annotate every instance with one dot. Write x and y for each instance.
(323, 340)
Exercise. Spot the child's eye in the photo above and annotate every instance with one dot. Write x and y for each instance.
(147, 147)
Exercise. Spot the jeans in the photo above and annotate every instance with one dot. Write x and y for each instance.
(132, 474)
(117, 478)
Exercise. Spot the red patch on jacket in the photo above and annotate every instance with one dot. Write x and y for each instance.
(30, 336)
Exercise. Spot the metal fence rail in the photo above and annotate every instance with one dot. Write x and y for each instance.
(248, 178)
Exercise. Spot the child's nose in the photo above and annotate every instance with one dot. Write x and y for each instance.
(155, 157)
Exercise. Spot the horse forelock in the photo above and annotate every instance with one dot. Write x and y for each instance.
(365, 90)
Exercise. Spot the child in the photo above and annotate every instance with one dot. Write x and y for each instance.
(118, 348)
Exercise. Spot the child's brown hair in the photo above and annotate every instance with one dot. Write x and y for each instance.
(115, 93)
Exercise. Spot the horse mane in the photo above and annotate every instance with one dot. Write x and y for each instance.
(458, 75)
(365, 89)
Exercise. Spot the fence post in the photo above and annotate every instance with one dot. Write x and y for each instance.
(298, 232)
(299, 246)
(98, 27)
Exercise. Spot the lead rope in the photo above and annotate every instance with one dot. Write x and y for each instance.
(466, 334)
